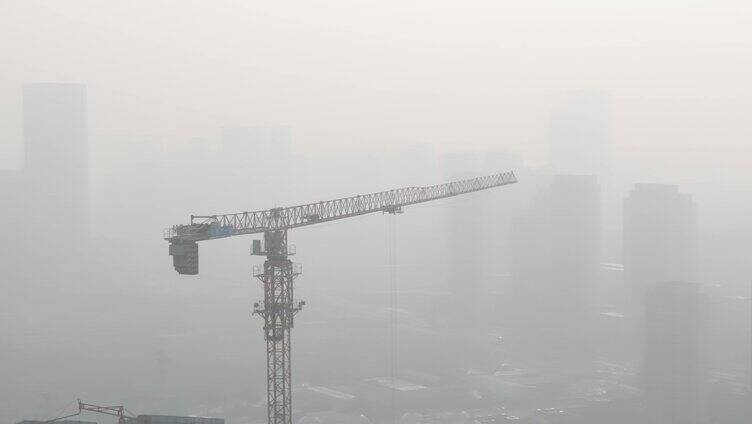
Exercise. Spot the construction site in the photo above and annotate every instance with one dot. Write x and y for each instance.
(389, 212)
(278, 306)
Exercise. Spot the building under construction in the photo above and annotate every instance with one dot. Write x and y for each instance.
(124, 416)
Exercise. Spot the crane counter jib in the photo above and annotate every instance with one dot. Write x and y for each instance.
(279, 306)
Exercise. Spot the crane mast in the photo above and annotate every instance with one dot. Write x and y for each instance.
(279, 307)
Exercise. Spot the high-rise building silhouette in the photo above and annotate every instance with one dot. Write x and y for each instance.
(674, 359)
(56, 169)
(659, 247)
(12, 212)
(463, 240)
(555, 266)
(499, 212)
(659, 238)
(578, 134)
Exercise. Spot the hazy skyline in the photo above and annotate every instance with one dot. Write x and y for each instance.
(341, 73)
(625, 123)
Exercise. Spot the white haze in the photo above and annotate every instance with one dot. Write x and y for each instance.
(376, 95)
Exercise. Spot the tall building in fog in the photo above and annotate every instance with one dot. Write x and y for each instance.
(674, 359)
(465, 238)
(659, 238)
(463, 265)
(499, 212)
(56, 167)
(11, 213)
(555, 266)
(578, 134)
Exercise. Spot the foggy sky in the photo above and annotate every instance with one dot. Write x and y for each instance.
(475, 73)
(375, 95)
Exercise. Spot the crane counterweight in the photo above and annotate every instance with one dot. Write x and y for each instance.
(279, 306)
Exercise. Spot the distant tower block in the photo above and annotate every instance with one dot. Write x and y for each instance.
(674, 360)
(55, 134)
(659, 237)
(557, 256)
(464, 244)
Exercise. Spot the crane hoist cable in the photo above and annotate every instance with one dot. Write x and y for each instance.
(279, 307)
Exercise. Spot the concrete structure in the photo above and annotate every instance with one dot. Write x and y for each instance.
(659, 245)
(674, 362)
(558, 240)
(11, 214)
(659, 237)
(464, 244)
(463, 247)
(56, 166)
(333, 418)
(555, 266)
(171, 419)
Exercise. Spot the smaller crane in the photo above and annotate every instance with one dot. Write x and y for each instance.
(116, 411)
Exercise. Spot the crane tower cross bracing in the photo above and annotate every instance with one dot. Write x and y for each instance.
(277, 274)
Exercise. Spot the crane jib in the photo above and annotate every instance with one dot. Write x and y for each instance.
(279, 305)
(183, 238)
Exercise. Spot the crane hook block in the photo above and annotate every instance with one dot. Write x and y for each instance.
(184, 257)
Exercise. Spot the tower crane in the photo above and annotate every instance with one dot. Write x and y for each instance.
(116, 411)
(279, 306)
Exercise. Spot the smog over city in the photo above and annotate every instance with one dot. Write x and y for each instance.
(375, 212)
